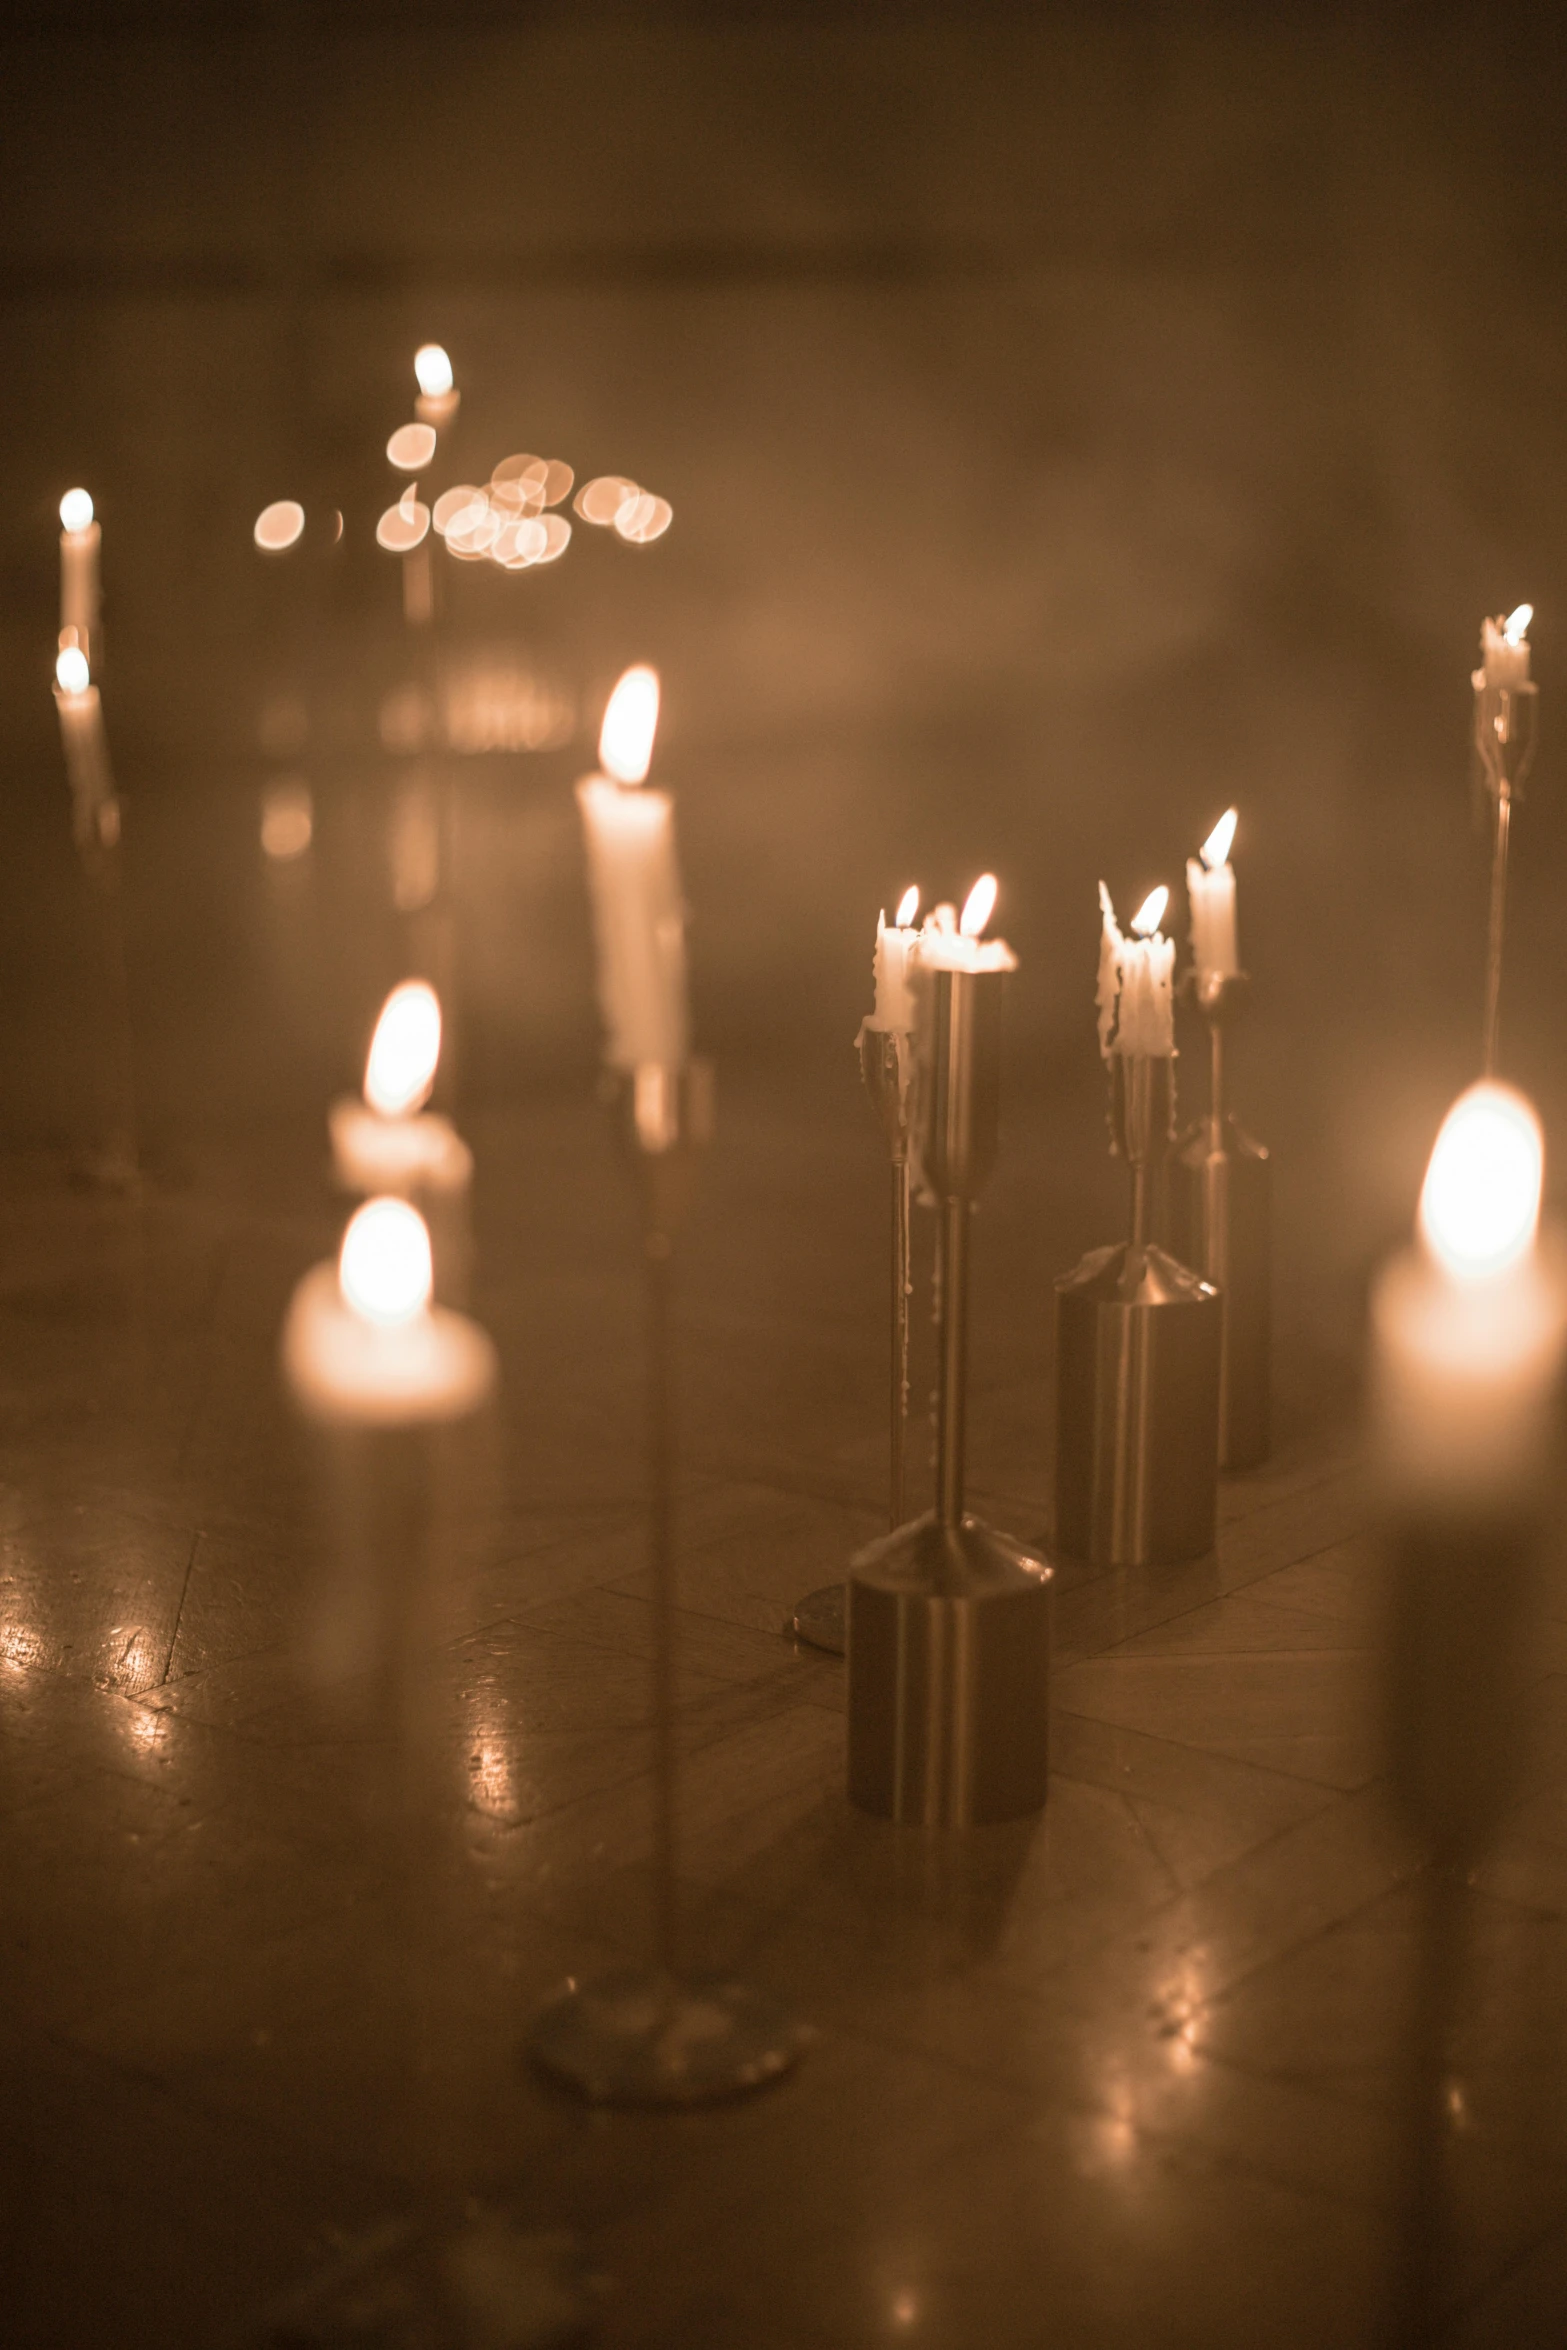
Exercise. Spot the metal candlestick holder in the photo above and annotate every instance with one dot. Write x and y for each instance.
(655, 2035)
(1220, 1197)
(885, 1055)
(948, 1620)
(1138, 1344)
(1505, 718)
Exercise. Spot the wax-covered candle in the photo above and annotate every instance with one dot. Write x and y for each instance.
(1210, 887)
(897, 944)
(1135, 995)
(638, 906)
(362, 1344)
(965, 947)
(1468, 1327)
(1504, 649)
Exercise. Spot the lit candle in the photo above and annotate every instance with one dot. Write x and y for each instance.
(1504, 649)
(966, 948)
(638, 909)
(390, 1143)
(80, 540)
(363, 1346)
(1135, 997)
(895, 950)
(439, 398)
(95, 812)
(1210, 886)
(1468, 1327)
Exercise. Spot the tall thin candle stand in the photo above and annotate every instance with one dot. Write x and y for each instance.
(655, 2036)
(96, 824)
(1220, 1191)
(949, 1621)
(1138, 1342)
(1505, 721)
(884, 1066)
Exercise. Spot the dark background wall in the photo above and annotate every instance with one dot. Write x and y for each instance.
(1074, 420)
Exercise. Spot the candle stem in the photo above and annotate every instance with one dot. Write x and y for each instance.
(900, 1333)
(952, 1345)
(657, 1256)
(1493, 962)
(1216, 1085)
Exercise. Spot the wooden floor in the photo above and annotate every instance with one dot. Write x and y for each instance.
(1124, 2074)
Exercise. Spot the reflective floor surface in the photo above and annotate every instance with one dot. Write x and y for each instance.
(1124, 2074)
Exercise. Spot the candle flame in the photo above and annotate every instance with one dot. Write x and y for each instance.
(1150, 913)
(1516, 626)
(908, 906)
(630, 723)
(279, 525)
(433, 371)
(978, 907)
(1480, 1204)
(1215, 850)
(71, 672)
(384, 1267)
(404, 1050)
(76, 510)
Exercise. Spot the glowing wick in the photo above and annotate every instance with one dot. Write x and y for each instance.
(433, 370)
(404, 1050)
(76, 510)
(908, 905)
(72, 674)
(1480, 1204)
(384, 1267)
(1215, 850)
(1150, 913)
(1514, 628)
(978, 906)
(630, 723)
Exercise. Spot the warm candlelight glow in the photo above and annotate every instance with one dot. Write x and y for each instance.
(642, 519)
(1516, 626)
(287, 820)
(1480, 1207)
(76, 510)
(71, 672)
(404, 1050)
(433, 371)
(978, 907)
(279, 525)
(453, 502)
(908, 905)
(403, 526)
(601, 499)
(1215, 850)
(1150, 913)
(384, 1269)
(630, 723)
(411, 447)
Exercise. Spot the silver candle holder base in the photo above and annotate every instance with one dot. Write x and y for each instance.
(949, 1645)
(1138, 1344)
(1220, 1193)
(658, 2036)
(949, 1621)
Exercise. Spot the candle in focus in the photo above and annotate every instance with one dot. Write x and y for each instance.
(1504, 649)
(1135, 995)
(1468, 1326)
(895, 950)
(363, 1345)
(965, 948)
(80, 539)
(638, 908)
(1210, 885)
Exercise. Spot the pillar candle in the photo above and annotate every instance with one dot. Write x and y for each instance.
(80, 541)
(1210, 885)
(94, 809)
(1468, 1326)
(1504, 649)
(896, 948)
(362, 1344)
(1135, 996)
(638, 907)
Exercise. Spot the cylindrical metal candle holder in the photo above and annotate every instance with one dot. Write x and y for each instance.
(949, 1621)
(1220, 1198)
(885, 1056)
(1505, 719)
(655, 2035)
(1138, 1343)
